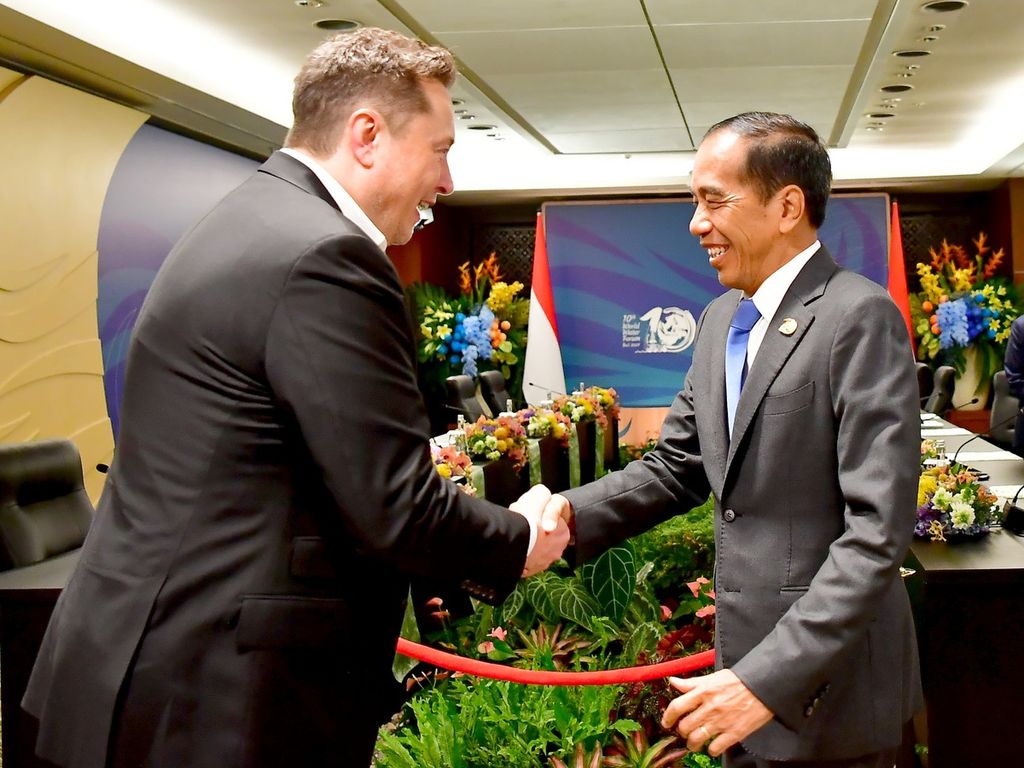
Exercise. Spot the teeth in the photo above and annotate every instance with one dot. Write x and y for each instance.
(423, 207)
(714, 253)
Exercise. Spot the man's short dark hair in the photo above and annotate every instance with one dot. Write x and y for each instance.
(782, 151)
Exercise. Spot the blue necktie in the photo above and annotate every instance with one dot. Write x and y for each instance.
(736, 354)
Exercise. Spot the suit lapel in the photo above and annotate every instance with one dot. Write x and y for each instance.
(777, 346)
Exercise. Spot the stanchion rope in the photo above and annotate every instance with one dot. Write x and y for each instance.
(494, 671)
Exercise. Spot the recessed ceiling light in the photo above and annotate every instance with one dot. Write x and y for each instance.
(310, 3)
(874, 128)
(929, 38)
(880, 115)
(461, 111)
(896, 88)
(337, 25)
(911, 53)
(944, 6)
(457, 101)
(905, 75)
(936, 28)
(467, 116)
(481, 127)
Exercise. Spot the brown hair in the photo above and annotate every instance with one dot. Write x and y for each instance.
(369, 66)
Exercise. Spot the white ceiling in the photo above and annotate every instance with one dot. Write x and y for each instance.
(585, 96)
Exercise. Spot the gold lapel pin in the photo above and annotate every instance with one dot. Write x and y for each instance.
(788, 327)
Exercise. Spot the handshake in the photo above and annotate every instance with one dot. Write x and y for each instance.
(550, 515)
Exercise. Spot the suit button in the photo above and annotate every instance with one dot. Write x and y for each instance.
(809, 711)
(729, 515)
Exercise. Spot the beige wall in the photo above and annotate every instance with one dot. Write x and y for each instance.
(58, 150)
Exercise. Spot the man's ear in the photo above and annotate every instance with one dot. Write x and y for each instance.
(791, 199)
(363, 132)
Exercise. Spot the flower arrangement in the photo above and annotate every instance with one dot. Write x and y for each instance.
(453, 464)
(544, 422)
(493, 438)
(952, 504)
(484, 326)
(962, 305)
(592, 404)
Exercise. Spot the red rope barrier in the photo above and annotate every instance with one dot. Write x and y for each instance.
(543, 677)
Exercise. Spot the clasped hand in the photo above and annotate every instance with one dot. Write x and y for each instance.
(541, 508)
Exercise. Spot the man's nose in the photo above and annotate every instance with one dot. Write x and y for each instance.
(699, 224)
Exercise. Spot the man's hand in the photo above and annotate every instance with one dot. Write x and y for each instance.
(717, 708)
(552, 534)
(558, 508)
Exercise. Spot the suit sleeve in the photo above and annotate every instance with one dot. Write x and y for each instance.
(339, 358)
(1014, 361)
(874, 400)
(667, 481)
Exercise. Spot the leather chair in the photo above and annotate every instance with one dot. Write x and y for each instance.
(44, 508)
(941, 397)
(462, 397)
(925, 380)
(492, 386)
(1005, 407)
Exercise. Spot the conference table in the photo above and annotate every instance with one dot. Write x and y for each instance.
(968, 600)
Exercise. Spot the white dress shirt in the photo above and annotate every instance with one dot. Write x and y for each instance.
(769, 296)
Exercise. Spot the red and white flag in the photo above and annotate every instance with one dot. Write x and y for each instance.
(898, 272)
(543, 375)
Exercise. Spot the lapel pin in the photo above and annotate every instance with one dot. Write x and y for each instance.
(788, 327)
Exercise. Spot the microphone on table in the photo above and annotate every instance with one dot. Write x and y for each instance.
(545, 388)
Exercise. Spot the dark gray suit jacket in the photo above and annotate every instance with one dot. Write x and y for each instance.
(814, 504)
(239, 595)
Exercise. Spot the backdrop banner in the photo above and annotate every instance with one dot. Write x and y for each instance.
(629, 283)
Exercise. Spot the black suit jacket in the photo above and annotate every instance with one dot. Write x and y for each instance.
(239, 595)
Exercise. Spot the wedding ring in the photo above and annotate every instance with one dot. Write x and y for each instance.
(707, 734)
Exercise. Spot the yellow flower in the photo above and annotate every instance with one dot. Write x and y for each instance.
(926, 486)
(444, 470)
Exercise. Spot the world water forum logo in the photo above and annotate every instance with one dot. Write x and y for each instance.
(660, 329)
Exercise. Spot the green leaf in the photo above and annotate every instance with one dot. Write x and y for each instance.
(513, 603)
(573, 602)
(538, 592)
(612, 580)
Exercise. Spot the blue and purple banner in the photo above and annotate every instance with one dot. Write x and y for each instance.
(629, 282)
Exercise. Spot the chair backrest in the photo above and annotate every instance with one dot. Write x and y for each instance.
(44, 508)
(492, 386)
(925, 380)
(941, 397)
(1005, 407)
(462, 397)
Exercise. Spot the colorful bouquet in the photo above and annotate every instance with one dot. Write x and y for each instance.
(453, 464)
(484, 326)
(544, 422)
(493, 438)
(952, 504)
(962, 305)
(592, 404)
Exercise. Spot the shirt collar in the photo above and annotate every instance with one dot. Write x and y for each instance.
(349, 207)
(773, 290)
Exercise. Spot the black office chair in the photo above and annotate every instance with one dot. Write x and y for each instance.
(925, 380)
(941, 397)
(1005, 406)
(44, 508)
(462, 397)
(492, 386)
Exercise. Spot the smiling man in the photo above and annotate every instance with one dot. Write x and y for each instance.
(799, 414)
(239, 596)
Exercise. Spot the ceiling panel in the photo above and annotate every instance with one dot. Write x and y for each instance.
(625, 142)
(748, 11)
(777, 44)
(442, 16)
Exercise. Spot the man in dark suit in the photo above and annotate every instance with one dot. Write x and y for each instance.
(239, 596)
(1013, 364)
(799, 414)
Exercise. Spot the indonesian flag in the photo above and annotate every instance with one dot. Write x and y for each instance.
(543, 375)
(898, 272)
